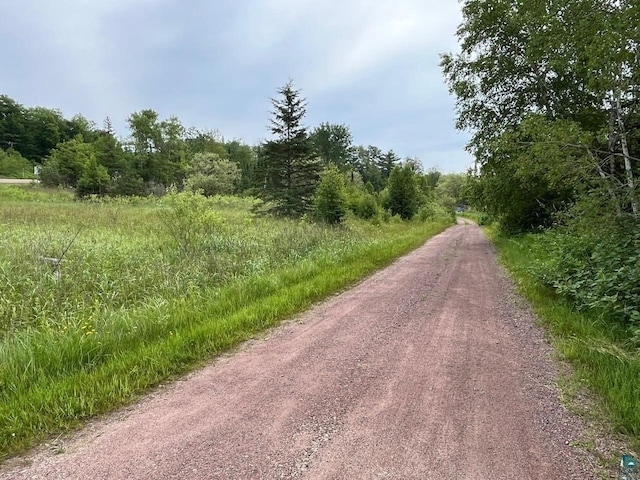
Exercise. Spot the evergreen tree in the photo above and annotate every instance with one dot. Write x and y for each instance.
(289, 170)
(403, 192)
(386, 162)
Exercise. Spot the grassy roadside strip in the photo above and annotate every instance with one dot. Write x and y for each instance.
(597, 351)
(57, 396)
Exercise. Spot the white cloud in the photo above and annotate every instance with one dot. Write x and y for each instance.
(215, 63)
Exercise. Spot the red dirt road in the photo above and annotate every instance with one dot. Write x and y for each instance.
(427, 370)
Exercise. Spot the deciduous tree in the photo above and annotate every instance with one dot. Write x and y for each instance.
(403, 192)
(330, 198)
(334, 145)
(212, 175)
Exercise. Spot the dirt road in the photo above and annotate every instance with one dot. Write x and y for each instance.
(427, 370)
(17, 181)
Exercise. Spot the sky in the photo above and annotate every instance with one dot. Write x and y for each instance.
(215, 64)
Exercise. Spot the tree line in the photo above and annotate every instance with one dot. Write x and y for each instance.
(290, 172)
(550, 91)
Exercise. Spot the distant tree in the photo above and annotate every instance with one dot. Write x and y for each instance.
(333, 143)
(245, 158)
(331, 198)
(126, 182)
(14, 165)
(366, 164)
(94, 179)
(288, 166)
(109, 153)
(212, 175)
(107, 127)
(206, 141)
(12, 125)
(145, 140)
(159, 146)
(450, 191)
(35, 132)
(173, 151)
(403, 195)
(386, 162)
(416, 164)
(44, 131)
(66, 163)
(79, 125)
(433, 177)
(360, 199)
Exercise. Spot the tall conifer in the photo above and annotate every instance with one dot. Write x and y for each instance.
(290, 170)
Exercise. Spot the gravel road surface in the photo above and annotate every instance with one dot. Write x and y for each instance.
(17, 181)
(430, 369)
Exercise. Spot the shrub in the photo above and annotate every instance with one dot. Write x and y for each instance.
(403, 192)
(367, 207)
(14, 165)
(597, 266)
(94, 179)
(485, 219)
(212, 175)
(330, 197)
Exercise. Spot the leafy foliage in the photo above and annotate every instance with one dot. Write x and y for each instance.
(212, 175)
(403, 192)
(597, 265)
(14, 165)
(160, 153)
(331, 198)
(66, 163)
(334, 145)
(550, 93)
(541, 77)
(94, 179)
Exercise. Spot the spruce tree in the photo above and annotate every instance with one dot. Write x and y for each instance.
(289, 169)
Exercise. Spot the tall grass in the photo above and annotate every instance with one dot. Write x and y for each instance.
(600, 351)
(148, 289)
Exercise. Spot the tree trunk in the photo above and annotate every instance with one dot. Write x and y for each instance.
(625, 152)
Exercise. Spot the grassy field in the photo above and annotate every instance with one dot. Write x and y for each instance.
(147, 289)
(603, 356)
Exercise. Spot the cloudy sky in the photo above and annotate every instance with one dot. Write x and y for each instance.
(372, 65)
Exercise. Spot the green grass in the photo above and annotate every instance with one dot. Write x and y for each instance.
(150, 289)
(601, 356)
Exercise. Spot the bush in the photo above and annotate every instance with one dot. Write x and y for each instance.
(94, 179)
(367, 207)
(14, 165)
(485, 219)
(126, 183)
(190, 219)
(403, 192)
(431, 210)
(597, 266)
(212, 175)
(330, 197)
